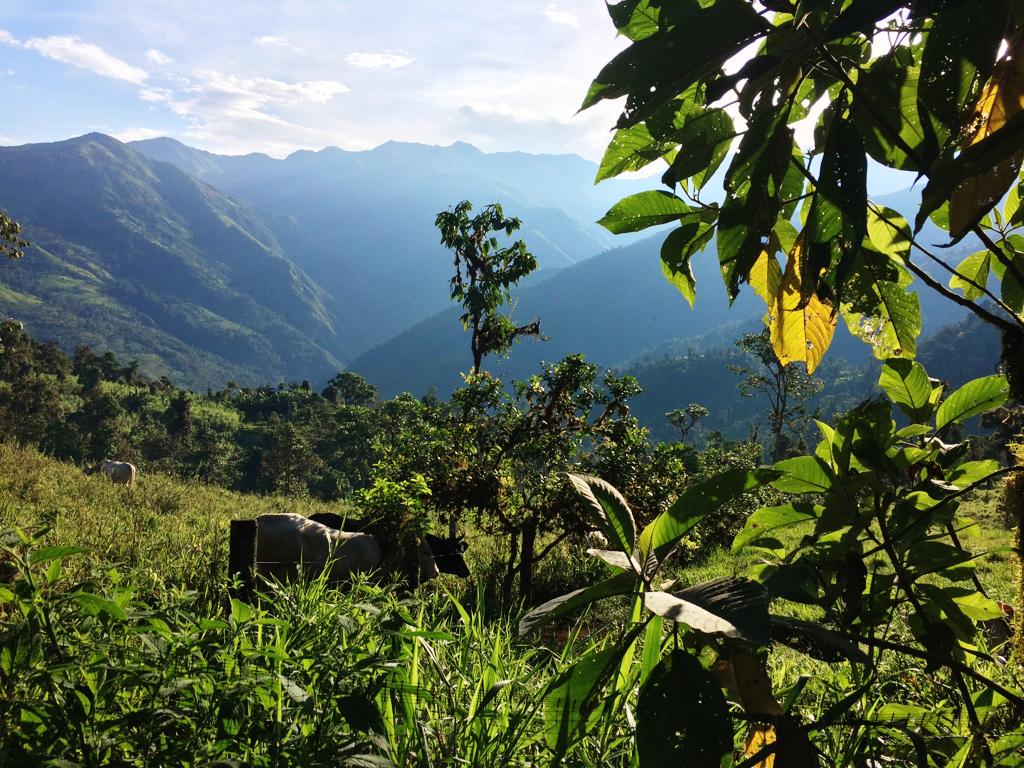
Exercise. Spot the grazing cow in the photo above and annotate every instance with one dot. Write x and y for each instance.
(338, 522)
(283, 541)
(120, 472)
(447, 553)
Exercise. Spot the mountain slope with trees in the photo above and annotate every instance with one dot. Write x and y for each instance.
(362, 223)
(142, 259)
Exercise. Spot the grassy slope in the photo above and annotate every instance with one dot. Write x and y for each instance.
(176, 532)
(176, 529)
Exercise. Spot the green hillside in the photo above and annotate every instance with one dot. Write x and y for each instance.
(138, 258)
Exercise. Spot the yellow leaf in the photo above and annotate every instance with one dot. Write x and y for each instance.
(1000, 99)
(759, 738)
(765, 277)
(801, 330)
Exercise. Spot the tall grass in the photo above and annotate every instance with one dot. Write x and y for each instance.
(120, 645)
(94, 671)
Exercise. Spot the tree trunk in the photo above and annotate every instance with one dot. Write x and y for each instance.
(510, 572)
(526, 560)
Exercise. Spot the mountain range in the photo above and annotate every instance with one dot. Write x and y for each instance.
(208, 268)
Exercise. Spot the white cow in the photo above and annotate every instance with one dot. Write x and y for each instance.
(120, 472)
(283, 541)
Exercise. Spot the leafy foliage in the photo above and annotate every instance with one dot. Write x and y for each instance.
(880, 549)
(11, 243)
(933, 100)
(484, 273)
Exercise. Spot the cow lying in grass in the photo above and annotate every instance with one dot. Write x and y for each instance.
(120, 472)
(447, 553)
(286, 542)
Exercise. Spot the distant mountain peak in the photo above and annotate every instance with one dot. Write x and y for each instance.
(94, 138)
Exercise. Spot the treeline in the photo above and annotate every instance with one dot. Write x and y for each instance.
(491, 454)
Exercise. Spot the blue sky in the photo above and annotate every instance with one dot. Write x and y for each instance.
(274, 77)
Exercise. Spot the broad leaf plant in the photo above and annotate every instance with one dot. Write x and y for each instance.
(869, 541)
(714, 88)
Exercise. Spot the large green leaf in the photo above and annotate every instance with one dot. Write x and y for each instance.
(971, 472)
(729, 606)
(907, 385)
(888, 232)
(703, 142)
(693, 40)
(572, 696)
(959, 56)
(972, 398)
(679, 247)
(837, 221)
(630, 150)
(682, 717)
(882, 312)
(666, 530)
(803, 474)
(753, 185)
(768, 519)
(619, 584)
(972, 275)
(886, 113)
(46, 554)
(643, 210)
(610, 509)
(635, 19)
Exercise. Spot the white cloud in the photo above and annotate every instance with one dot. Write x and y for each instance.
(7, 141)
(69, 49)
(137, 134)
(161, 59)
(557, 16)
(225, 112)
(258, 91)
(380, 60)
(7, 38)
(273, 41)
(155, 95)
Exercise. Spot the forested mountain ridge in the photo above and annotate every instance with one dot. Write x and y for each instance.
(615, 308)
(141, 259)
(321, 260)
(610, 308)
(208, 268)
(362, 223)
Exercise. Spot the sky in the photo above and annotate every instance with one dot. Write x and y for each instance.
(235, 77)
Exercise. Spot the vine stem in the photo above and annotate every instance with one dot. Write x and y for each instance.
(955, 272)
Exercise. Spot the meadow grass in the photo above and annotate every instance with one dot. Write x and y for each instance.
(134, 653)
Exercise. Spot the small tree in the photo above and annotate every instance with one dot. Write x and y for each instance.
(289, 463)
(484, 273)
(685, 419)
(11, 243)
(787, 387)
(347, 388)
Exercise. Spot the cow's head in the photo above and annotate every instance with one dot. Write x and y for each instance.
(448, 555)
